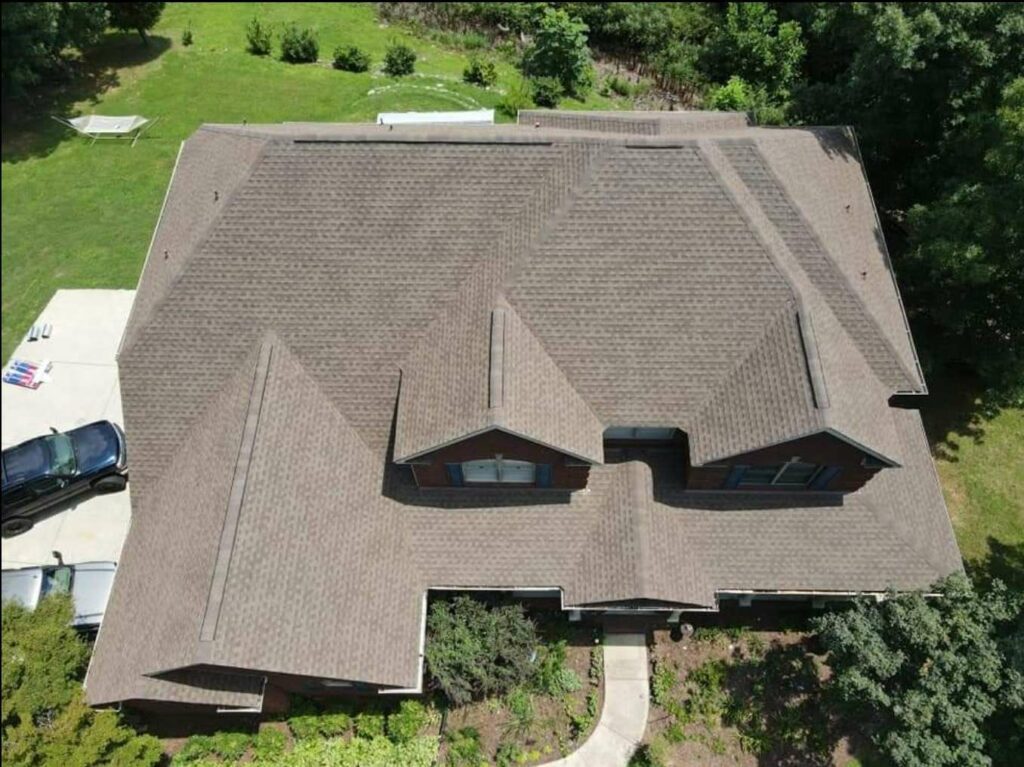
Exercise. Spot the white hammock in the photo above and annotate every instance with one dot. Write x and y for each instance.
(98, 126)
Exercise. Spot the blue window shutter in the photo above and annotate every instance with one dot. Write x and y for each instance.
(826, 476)
(543, 475)
(735, 475)
(454, 474)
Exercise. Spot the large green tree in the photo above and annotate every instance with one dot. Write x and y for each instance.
(924, 675)
(135, 17)
(45, 718)
(560, 50)
(929, 89)
(35, 36)
(474, 650)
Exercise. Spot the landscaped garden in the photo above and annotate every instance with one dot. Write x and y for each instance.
(907, 682)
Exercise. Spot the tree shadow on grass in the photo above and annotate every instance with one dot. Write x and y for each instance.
(1004, 561)
(957, 406)
(28, 130)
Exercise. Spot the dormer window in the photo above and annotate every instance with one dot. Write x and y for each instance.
(793, 473)
(499, 470)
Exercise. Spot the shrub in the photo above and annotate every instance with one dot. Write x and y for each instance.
(333, 723)
(546, 91)
(230, 746)
(517, 97)
(257, 38)
(620, 86)
(474, 650)
(196, 748)
(464, 749)
(399, 60)
(268, 745)
(508, 754)
(663, 682)
(186, 35)
(370, 724)
(553, 677)
(522, 714)
(406, 723)
(299, 46)
(351, 59)
(596, 669)
(480, 72)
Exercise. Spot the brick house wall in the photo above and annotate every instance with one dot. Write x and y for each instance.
(566, 471)
(823, 449)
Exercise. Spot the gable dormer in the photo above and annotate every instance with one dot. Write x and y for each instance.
(482, 404)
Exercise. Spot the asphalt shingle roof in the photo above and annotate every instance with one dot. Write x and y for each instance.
(322, 299)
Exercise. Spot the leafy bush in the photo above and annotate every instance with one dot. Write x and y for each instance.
(257, 38)
(735, 96)
(299, 46)
(268, 745)
(186, 35)
(196, 748)
(45, 718)
(473, 650)
(581, 722)
(399, 60)
(360, 752)
(230, 746)
(508, 754)
(518, 96)
(308, 721)
(560, 51)
(546, 91)
(480, 72)
(596, 670)
(663, 682)
(351, 58)
(464, 748)
(406, 723)
(620, 86)
(553, 677)
(370, 724)
(522, 715)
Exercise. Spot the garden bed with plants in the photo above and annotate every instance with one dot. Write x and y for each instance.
(540, 720)
(740, 697)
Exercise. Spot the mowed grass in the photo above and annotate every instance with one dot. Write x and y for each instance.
(81, 216)
(982, 474)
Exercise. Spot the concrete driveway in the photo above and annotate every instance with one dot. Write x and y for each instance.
(87, 329)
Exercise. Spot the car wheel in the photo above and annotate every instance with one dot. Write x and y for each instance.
(16, 526)
(109, 484)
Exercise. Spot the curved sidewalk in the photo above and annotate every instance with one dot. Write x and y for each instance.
(626, 702)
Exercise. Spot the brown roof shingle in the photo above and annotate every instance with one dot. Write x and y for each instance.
(334, 308)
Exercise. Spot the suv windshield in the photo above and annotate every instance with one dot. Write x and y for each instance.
(62, 454)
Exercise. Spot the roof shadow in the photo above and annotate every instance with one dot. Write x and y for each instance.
(28, 130)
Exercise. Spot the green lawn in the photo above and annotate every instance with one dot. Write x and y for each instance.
(982, 471)
(79, 216)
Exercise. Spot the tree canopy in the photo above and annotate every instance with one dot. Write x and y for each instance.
(559, 50)
(924, 675)
(45, 717)
(137, 17)
(34, 36)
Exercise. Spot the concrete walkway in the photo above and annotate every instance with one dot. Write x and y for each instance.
(626, 701)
